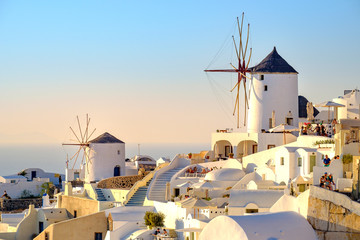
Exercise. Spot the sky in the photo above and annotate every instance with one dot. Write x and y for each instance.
(136, 67)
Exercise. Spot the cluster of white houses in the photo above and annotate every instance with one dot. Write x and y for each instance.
(252, 184)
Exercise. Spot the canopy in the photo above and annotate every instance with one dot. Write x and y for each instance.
(329, 104)
(283, 128)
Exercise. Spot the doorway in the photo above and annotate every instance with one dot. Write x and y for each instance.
(117, 171)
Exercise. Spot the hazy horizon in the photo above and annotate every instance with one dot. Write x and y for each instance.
(52, 157)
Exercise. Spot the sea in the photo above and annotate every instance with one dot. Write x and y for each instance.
(52, 157)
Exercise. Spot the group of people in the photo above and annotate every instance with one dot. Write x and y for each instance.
(158, 233)
(196, 170)
(327, 181)
(320, 129)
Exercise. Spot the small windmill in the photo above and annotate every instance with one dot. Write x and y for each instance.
(241, 69)
(82, 140)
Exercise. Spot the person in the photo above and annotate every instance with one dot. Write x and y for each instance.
(5, 195)
(331, 181)
(157, 232)
(326, 161)
(326, 183)
(304, 130)
(317, 130)
(165, 232)
(322, 181)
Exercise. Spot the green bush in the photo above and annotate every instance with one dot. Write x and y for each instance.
(153, 219)
(347, 158)
(328, 141)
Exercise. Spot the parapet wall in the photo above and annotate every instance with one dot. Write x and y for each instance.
(121, 182)
(334, 216)
(16, 204)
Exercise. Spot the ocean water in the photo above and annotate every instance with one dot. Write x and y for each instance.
(52, 158)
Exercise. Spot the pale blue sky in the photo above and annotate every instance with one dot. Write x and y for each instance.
(137, 66)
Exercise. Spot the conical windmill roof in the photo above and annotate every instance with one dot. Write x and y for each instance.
(273, 63)
(106, 138)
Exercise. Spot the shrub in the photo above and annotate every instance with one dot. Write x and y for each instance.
(153, 219)
(26, 194)
(347, 158)
(328, 141)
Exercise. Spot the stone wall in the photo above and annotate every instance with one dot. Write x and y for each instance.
(16, 204)
(333, 215)
(121, 182)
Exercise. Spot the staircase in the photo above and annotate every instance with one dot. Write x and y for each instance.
(139, 196)
(158, 189)
(100, 194)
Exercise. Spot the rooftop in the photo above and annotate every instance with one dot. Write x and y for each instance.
(106, 138)
(273, 63)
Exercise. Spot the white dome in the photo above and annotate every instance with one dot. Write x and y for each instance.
(225, 174)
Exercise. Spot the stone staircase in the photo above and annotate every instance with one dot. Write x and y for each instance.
(100, 194)
(139, 196)
(158, 189)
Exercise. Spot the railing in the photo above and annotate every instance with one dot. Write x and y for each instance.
(198, 175)
(142, 182)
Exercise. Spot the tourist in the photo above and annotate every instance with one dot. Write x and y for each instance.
(304, 130)
(317, 130)
(157, 232)
(165, 233)
(5, 195)
(322, 181)
(326, 161)
(331, 181)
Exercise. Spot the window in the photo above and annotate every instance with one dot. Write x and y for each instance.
(41, 226)
(12, 181)
(289, 121)
(265, 87)
(98, 236)
(118, 152)
(255, 148)
(261, 77)
(270, 146)
(282, 161)
(270, 123)
(75, 213)
(252, 210)
(47, 236)
(299, 162)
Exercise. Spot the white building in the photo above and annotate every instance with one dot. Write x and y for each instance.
(269, 79)
(106, 158)
(281, 225)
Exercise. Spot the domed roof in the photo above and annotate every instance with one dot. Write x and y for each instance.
(273, 63)
(225, 174)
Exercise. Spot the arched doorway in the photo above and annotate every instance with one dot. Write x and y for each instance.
(116, 171)
(223, 148)
(245, 148)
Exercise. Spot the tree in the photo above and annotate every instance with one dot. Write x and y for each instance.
(153, 219)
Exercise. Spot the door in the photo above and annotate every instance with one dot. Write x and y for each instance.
(312, 162)
(41, 227)
(227, 151)
(117, 171)
(301, 187)
(33, 175)
(176, 192)
(255, 148)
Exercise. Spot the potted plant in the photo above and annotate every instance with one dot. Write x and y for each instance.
(190, 155)
(231, 155)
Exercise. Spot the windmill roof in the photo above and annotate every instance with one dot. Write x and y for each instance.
(273, 63)
(106, 138)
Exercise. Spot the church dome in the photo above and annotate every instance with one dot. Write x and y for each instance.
(225, 174)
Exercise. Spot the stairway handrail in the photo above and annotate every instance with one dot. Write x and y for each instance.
(142, 183)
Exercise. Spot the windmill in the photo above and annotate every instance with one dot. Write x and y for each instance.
(82, 140)
(241, 69)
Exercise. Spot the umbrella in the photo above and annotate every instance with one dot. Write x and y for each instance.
(310, 111)
(283, 128)
(330, 104)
